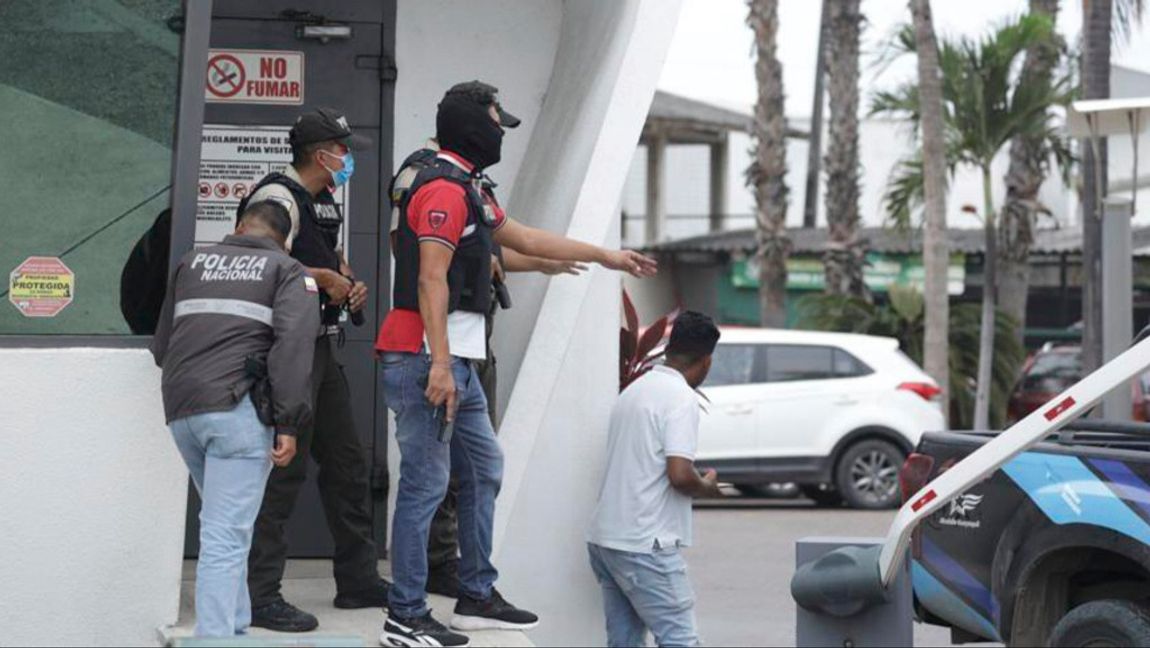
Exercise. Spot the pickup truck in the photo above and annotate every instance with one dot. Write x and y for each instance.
(1051, 549)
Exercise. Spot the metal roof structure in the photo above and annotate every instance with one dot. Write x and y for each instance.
(689, 121)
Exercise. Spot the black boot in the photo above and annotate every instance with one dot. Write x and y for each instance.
(281, 616)
(372, 597)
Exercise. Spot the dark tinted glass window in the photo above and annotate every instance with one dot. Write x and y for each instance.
(1053, 372)
(848, 366)
(732, 364)
(87, 108)
(787, 363)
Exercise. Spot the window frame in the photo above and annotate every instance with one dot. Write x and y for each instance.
(867, 369)
(186, 148)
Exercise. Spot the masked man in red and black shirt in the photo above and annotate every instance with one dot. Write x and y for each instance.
(429, 345)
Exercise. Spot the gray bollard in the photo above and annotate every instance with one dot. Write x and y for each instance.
(884, 624)
(1117, 297)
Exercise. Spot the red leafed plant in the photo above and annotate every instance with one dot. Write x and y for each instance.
(637, 346)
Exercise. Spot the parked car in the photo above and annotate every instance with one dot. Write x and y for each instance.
(1051, 370)
(834, 413)
(1053, 549)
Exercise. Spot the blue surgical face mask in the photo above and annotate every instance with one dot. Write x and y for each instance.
(340, 178)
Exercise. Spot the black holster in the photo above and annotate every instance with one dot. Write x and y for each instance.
(261, 391)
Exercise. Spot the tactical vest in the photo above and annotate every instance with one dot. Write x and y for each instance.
(318, 236)
(469, 276)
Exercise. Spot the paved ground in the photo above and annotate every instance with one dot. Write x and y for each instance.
(742, 562)
(741, 567)
(308, 584)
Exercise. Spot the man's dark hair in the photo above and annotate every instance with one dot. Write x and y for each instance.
(301, 152)
(693, 337)
(270, 213)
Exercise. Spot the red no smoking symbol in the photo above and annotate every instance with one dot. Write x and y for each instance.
(205, 190)
(222, 190)
(225, 75)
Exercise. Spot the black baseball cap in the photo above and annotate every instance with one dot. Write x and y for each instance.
(325, 125)
(485, 95)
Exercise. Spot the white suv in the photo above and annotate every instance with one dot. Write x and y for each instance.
(834, 413)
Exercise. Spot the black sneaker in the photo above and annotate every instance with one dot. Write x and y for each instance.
(281, 616)
(418, 631)
(492, 614)
(444, 580)
(373, 597)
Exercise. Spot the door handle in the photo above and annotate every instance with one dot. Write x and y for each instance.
(739, 410)
(846, 400)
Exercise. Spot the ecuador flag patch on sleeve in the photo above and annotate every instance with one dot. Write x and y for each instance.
(311, 285)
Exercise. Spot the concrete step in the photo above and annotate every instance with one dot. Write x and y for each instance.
(308, 585)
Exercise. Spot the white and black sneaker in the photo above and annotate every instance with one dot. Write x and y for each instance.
(495, 613)
(418, 631)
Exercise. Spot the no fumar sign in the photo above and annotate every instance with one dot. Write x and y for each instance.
(255, 77)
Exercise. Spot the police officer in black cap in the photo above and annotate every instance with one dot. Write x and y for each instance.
(322, 160)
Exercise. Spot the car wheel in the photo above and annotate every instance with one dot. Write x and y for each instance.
(1103, 623)
(822, 494)
(867, 474)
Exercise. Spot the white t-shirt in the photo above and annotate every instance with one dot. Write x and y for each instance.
(656, 417)
(466, 335)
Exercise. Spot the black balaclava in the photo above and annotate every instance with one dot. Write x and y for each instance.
(464, 126)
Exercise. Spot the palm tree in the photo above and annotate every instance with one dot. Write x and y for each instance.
(935, 248)
(987, 103)
(1102, 21)
(1029, 163)
(815, 140)
(767, 172)
(845, 254)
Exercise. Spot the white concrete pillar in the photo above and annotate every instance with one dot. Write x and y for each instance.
(720, 152)
(656, 175)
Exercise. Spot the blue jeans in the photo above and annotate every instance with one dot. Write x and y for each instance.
(229, 457)
(645, 591)
(426, 465)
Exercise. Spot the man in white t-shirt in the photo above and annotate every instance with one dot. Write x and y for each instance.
(644, 513)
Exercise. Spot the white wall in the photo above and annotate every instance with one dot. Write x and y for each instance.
(559, 348)
(92, 497)
(510, 44)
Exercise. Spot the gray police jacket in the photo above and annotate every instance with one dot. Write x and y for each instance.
(243, 297)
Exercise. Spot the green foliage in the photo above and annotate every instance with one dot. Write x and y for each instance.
(987, 102)
(903, 320)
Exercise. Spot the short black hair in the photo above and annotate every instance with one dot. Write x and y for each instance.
(693, 337)
(270, 213)
(301, 152)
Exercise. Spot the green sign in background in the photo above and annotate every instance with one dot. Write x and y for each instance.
(881, 272)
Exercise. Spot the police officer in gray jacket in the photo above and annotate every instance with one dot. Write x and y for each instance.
(235, 342)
